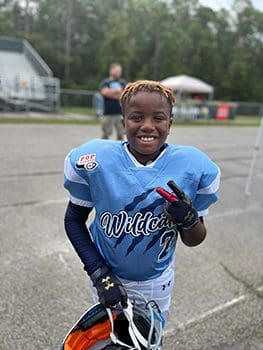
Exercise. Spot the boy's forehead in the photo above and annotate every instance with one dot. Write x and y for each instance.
(146, 96)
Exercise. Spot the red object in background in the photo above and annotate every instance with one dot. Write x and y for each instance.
(223, 112)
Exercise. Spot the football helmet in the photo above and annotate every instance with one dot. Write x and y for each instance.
(138, 327)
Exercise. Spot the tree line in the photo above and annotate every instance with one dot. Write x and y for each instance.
(152, 39)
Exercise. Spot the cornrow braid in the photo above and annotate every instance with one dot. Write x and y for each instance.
(132, 89)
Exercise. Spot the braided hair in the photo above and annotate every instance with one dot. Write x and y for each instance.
(132, 89)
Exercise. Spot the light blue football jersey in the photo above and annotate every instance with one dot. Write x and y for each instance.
(130, 229)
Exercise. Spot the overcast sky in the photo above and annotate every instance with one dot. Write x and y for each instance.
(217, 4)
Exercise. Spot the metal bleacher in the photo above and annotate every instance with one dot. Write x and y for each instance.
(26, 82)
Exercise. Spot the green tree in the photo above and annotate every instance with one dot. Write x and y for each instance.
(152, 39)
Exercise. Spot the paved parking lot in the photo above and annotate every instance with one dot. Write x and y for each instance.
(217, 301)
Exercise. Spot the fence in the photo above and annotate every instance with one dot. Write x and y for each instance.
(77, 98)
(249, 108)
(82, 98)
(185, 110)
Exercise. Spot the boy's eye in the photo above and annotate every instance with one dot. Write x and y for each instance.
(135, 117)
(159, 117)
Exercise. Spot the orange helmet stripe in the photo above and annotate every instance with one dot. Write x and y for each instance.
(83, 340)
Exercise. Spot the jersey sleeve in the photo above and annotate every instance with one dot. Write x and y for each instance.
(208, 187)
(76, 183)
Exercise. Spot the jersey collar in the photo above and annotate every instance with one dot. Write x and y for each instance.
(138, 164)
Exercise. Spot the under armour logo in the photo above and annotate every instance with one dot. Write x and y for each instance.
(166, 285)
(189, 216)
(107, 283)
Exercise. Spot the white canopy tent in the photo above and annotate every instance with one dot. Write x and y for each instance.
(187, 84)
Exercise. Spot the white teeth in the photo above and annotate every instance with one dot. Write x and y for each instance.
(147, 139)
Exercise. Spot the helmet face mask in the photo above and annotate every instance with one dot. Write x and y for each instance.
(137, 327)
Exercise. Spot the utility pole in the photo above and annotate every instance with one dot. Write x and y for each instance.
(27, 17)
(254, 156)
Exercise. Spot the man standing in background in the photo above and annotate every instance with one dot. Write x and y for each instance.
(111, 90)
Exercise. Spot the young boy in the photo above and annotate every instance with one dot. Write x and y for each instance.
(131, 242)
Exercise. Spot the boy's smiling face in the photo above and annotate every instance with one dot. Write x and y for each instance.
(147, 121)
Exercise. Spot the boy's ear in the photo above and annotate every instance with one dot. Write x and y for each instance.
(123, 121)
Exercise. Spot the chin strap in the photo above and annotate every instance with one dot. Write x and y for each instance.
(136, 336)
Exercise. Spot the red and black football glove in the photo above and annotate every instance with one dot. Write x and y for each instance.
(179, 206)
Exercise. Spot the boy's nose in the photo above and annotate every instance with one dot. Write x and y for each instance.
(147, 124)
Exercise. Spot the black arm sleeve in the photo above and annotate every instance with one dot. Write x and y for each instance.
(79, 236)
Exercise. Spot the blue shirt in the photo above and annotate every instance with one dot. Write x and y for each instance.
(130, 229)
(111, 105)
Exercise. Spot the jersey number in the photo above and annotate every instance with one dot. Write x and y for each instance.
(167, 240)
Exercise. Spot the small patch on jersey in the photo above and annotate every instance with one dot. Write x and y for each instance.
(87, 162)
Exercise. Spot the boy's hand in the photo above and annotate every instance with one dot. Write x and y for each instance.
(179, 207)
(109, 287)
